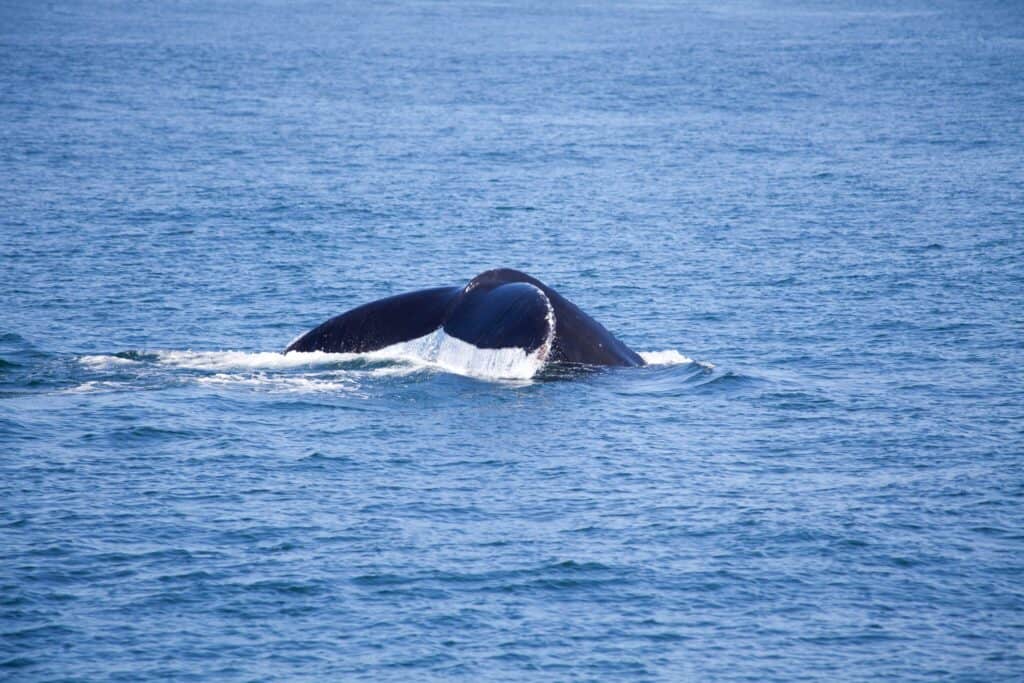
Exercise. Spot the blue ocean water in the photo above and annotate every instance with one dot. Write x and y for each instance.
(820, 203)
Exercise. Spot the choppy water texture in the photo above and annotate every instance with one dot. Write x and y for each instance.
(819, 203)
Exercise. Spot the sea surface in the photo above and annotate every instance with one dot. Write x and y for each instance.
(809, 217)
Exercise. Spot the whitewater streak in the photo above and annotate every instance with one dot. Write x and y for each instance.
(435, 351)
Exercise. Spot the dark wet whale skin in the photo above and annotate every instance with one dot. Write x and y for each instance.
(499, 308)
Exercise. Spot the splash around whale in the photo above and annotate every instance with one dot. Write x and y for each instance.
(503, 323)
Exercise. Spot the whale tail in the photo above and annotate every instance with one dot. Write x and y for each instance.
(498, 309)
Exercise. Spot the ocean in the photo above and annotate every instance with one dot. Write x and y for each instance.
(808, 217)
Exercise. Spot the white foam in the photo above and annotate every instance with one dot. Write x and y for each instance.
(105, 361)
(83, 388)
(399, 370)
(95, 387)
(436, 350)
(670, 357)
(290, 384)
(241, 360)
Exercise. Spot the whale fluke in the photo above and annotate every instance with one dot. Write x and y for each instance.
(497, 309)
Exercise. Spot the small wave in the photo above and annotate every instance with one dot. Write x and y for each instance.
(13, 338)
(671, 357)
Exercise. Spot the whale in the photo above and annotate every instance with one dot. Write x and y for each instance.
(498, 309)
